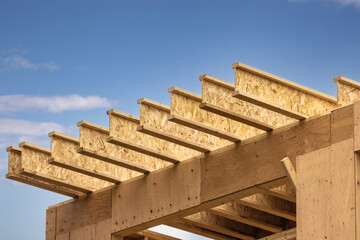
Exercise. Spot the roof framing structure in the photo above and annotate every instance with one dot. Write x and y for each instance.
(264, 158)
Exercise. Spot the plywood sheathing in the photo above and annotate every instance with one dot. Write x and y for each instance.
(94, 137)
(348, 91)
(35, 158)
(125, 126)
(281, 91)
(156, 116)
(186, 104)
(64, 148)
(219, 92)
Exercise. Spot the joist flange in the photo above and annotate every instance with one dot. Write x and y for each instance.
(237, 117)
(142, 149)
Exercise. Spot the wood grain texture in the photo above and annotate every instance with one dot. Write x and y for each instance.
(84, 211)
(50, 231)
(342, 124)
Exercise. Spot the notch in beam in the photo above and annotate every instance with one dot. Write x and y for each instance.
(204, 128)
(268, 105)
(113, 160)
(56, 181)
(91, 173)
(174, 139)
(142, 149)
(289, 170)
(237, 117)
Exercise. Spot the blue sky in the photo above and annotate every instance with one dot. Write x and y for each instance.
(65, 61)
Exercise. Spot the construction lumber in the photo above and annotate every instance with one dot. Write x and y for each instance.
(279, 194)
(64, 154)
(142, 149)
(285, 235)
(92, 173)
(56, 181)
(87, 210)
(124, 127)
(266, 208)
(215, 228)
(154, 121)
(179, 224)
(93, 144)
(237, 117)
(184, 110)
(268, 105)
(34, 161)
(155, 235)
(278, 90)
(174, 139)
(348, 91)
(289, 170)
(237, 179)
(204, 128)
(114, 160)
(217, 95)
(251, 222)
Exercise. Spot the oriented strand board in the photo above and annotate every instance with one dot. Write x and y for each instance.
(125, 128)
(94, 138)
(219, 94)
(14, 162)
(282, 92)
(35, 158)
(65, 150)
(157, 118)
(348, 91)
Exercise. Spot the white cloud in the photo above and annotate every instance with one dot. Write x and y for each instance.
(55, 104)
(20, 63)
(27, 128)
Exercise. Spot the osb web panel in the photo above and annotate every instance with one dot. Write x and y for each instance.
(281, 94)
(37, 161)
(158, 119)
(14, 161)
(66, 151)
(347, 93)
(96, 141)
(187, 107)
(127, 129)
(222, 96)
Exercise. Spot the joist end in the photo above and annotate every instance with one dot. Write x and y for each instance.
(140, 128)
(204, 76)
(52, 133)
(140, 100)
(235, 65)
(80, 123)
(13, 148)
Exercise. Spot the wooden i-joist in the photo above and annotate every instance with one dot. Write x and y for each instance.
(264, 158)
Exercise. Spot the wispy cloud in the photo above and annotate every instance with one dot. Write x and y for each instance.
(22, 127)
(21, 63)
(83, 68)
(54, 104)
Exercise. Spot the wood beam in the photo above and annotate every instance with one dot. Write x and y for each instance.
(113, 160)
(174, 139)
(91, 173)
(179, 224)
(43, 185)
(142, 149)
(285, 235)
(54, 180)
(289, 170)
(279, 194)
(155, 235)
(265, 208)
(204, 128)
(235, 116)
(251, 222)
(268, 105)
(216, 228)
